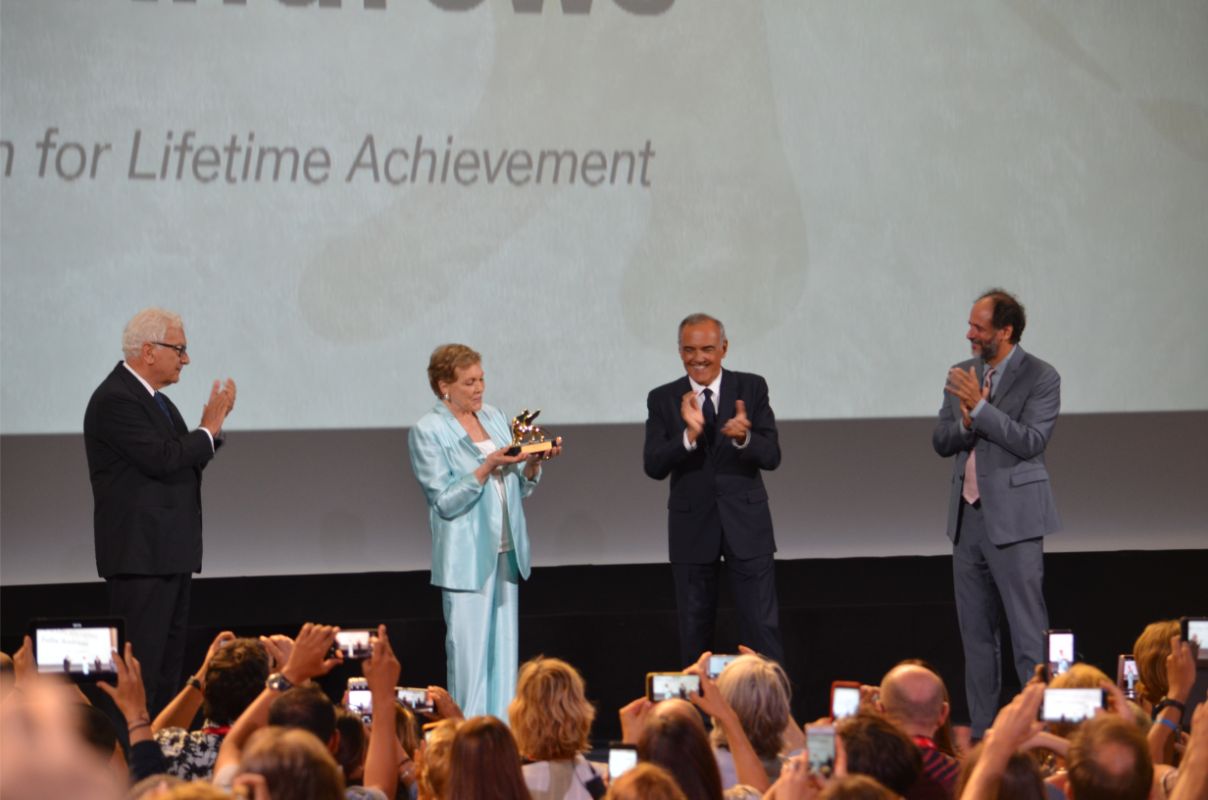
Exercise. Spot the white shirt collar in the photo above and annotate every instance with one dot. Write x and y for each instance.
(146, 385)
(697, 388)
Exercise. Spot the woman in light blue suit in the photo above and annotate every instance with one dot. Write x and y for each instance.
(480, 546)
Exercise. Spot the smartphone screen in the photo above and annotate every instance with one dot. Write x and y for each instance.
(845, 701)
(360, 701)
(1070, 705)
(717, 663)
(1061, 651)
(414, 699)
(355, 644)
(1195, 630)
(820, 749)
(666, 685)
(1127, 676)
(83, 650)
(621, 759)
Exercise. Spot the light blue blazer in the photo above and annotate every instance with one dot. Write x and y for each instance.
(465, 516)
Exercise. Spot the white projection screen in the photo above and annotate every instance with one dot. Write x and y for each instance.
(327, 189)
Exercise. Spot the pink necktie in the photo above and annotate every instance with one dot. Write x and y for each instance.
(969, 490)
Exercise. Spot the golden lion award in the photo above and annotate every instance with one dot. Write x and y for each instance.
(528, 437)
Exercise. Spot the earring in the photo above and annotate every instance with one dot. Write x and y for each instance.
(445, 397)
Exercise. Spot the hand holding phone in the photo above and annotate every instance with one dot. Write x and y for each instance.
(666, 685)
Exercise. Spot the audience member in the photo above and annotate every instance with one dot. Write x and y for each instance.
(645, 782)
(551, 720)
(758, 691)
(1109, 760)
(876, 748)
(914, 699)
(434, 757)
(229, 679)
(484, 763)
(1150, 650)
(1020, 780)
(294, 763)
(677, 742)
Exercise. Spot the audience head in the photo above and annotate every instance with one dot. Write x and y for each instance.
(876, 748)
(1109, 760)
(407, 729)
(914, 698)
(308, 708)
(1080, 676)
(550, 715)
(353, 745)
(434, 758)
(855, 787)
(1021, 780)
(234, 678)
(485, 763)
(678, 743)
(294, 763)
(645, 782)
(1150, 650)
(758, 691)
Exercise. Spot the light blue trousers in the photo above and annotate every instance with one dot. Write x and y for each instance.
(481, 636)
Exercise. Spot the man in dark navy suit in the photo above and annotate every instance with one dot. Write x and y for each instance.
(146, 467)
(713, 432)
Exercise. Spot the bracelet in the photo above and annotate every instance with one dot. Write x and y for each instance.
(137, 725)
(194, 682)
(1166, 703)
(1172, 725)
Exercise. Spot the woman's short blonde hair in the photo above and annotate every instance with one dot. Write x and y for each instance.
(446, 360)
(550, 716)
(1080, 676)
(436, 757)
(1150, 650)
(758, 690)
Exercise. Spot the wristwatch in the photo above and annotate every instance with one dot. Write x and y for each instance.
(278, 682)
(194, 682)
(1167, 702)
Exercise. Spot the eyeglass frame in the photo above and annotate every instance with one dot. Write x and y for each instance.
(182, 350)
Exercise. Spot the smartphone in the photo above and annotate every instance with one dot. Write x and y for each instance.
(820, 749)
(845, 699)
(1126, 675)
(360, 701)
(621, 759)
(717, 663)
(81, 649)
(1059, 644)
(414, 699)
(1071, 705)
(666, 685)
(1195, 630)
(355, 643)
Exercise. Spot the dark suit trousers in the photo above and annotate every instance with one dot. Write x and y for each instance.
(156, 610)
(753, 584)
(988, 580)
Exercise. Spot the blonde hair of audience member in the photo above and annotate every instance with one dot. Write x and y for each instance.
(407, 729)
(855, 787)
(758, 691)
(1021, 780)
(193, 790)
(1150, 651)
(645, 782)
(551, 718)
(154, 787)
(294, 763)
(484, 763)
(433, 758)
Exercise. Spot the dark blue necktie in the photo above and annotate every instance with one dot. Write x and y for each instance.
(710, 415)
(162, 402)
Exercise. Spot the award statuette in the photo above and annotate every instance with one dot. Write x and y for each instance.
(529, 438)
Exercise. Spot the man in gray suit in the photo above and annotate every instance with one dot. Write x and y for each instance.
(997, 418)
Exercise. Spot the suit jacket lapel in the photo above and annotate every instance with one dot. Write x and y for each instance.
(459, 432)
(148, 402)
(1013, 367)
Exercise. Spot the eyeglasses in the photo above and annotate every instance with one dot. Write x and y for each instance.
(181, 349)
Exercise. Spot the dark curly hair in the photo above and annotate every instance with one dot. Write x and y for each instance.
(234, 678)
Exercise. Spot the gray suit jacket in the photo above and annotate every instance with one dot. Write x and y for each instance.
(1010, 435)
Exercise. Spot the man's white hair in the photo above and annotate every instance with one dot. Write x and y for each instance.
(148, 325)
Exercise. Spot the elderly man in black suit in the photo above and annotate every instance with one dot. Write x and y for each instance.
(145, 467)
(713, 432)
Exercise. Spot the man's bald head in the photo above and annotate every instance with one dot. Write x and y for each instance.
(914, 698)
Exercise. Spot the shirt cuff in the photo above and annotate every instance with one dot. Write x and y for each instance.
(977, 408)
(689, 445)
(745, 441)
(210, 436)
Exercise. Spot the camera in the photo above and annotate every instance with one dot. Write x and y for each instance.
(81, 649)
(666, 685)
